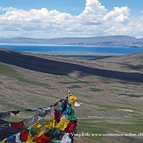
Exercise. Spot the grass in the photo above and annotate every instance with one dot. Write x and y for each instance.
(73, 80)
(129, 95)
(137, 119)
(133, 122)
(32, 82)
(96, 89)
(109, 107)
(92, 126)
(11, 106)
(103, 127)
(75, 86)
(8, 70)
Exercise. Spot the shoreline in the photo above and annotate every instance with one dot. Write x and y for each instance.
(64, 45)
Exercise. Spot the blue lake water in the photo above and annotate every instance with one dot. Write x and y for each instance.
(71, 50)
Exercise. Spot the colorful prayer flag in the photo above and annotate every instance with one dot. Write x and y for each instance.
(62, 124)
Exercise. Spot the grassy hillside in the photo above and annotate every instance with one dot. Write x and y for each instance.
(110, 90)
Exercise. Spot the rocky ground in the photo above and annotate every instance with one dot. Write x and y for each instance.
(109, 89)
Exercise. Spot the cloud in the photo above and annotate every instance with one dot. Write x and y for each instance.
(95, 20)
(93, 10)
(117, 14)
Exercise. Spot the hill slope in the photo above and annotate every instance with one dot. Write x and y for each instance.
(110, 89)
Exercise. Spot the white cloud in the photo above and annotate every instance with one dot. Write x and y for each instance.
(93, 10)
(95, 20)
(117, 14)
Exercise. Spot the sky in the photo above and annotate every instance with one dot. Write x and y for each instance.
(70, 18)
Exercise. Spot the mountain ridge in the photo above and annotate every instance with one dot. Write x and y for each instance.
(116, 40)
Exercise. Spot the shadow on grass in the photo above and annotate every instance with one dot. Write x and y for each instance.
(63, 68)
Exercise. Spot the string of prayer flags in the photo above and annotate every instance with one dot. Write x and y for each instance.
(3, 141)
(17, 138)
(15, 112)
(31, 110)
(17, 124)
(71, 126)
(54, 133)
(42, 132)
(62, 124)
(29, 140)
(37, 126)
(57, 115)
(42, 139)
(3, 124)
(77, 104)
(71, 98)
(70, 113)
(24, 135)
(13, 138)
(44, 111)
(66, 139)
(32, 120)
(5, 115)
(51, 124)
(60, 128)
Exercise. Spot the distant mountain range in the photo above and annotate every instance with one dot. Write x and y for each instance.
(118, 40)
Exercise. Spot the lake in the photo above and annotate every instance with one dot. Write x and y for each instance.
(75, 50)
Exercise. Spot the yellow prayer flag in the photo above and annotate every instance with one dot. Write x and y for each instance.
(42, 132)
(29, 140)
(71, 98)
(51, 124)
(62, 124)
(37, 126)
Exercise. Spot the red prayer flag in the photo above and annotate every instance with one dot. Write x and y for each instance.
(24, 135)
(42, 139)
(57, 115)
(71, 126)
(17, 125)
